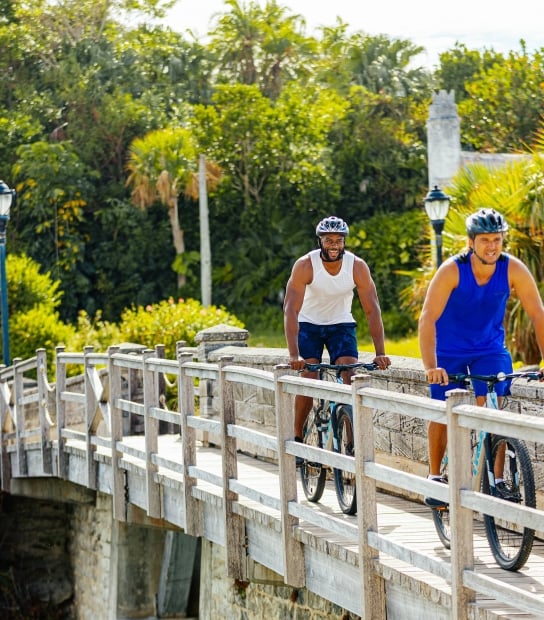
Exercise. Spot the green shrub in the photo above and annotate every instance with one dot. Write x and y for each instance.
(95, 333)
(28, 287)
(169, 321)
(38, 328)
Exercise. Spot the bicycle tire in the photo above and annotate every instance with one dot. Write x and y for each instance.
(313, 475)
(441, 515)
(344, 481)
(512, 545)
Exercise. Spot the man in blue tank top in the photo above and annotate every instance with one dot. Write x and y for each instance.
(317, 309)
(461, 327)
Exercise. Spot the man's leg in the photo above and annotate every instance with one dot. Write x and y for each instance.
(303, 405)
(437, 436)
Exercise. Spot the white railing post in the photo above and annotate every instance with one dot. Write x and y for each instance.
(45, 424)
(91, 406)
(151, 432)
(294, 572)
(118, 474)
(186, 405)
(235, 525)
(6, 429)
(461, 519)
(372, 585)
(60, 387)
(19, 415)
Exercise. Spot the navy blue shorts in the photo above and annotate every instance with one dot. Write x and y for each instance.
(488, 364)
(340, 340)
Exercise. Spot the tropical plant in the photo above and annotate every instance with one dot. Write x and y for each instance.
(162, 165)
(516, 191)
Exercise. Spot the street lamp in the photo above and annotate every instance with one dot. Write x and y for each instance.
(436, 205)
(6, 198)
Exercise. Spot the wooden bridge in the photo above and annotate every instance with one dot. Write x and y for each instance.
(238, 487)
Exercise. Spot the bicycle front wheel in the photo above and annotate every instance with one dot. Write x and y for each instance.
(344, 481)
(313, 475)
(510, 543)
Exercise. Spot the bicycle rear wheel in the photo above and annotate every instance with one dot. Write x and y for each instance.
(313, 475)
(510, 543)
(345, 481)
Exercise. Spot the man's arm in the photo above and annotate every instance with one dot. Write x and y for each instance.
(301, 276)
(368, 296)
(524, 285)
(438, 293)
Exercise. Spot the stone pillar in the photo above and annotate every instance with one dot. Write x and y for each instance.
(209, 340)
(443, 139)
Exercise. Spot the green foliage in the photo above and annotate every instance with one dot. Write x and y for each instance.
(93, 332)
(28, 286)
(390, 244)
(503, 107)
(168, 322)
(301, 127)
(380, 158)
(33, 299)
(37, 328)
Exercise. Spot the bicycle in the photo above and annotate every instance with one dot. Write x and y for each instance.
(510, 545)
(330, 425)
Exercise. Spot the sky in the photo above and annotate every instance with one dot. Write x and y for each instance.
(432, 24)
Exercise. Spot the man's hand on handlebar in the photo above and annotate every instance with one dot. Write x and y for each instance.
(382, 361)
(437, 375)
(297, 363)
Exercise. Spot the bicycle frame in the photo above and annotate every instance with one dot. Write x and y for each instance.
(339, 431)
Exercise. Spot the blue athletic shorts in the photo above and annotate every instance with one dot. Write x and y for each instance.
(488, 364)
(340, 340)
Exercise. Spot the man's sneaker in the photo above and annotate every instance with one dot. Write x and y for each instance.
(505, 493)
(298, 459)
(436, 503)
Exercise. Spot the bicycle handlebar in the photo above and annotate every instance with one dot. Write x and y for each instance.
(342, 367)
(530, 375)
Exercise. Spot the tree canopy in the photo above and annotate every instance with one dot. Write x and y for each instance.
(103, 109)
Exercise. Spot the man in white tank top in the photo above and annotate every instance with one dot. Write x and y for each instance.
(317, 309)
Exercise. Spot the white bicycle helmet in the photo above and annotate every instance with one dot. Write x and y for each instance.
(332, 224)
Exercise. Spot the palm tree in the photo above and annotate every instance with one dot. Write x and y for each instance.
(161, 165)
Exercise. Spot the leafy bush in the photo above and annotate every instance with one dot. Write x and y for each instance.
(38, 328)
(28, 287)
(169, 322)
(94, 332)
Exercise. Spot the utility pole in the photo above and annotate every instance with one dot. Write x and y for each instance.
(205, 250)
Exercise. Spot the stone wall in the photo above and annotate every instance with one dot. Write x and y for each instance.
(265, 596)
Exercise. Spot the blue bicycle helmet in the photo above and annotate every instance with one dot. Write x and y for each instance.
(485, 221)
(332, 224)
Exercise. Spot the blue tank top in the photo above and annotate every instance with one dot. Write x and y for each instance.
(473, 319)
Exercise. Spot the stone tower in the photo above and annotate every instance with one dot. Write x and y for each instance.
(443, 139)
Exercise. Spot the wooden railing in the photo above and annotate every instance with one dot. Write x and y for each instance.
(104, 401)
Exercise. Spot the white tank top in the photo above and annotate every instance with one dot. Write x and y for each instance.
(328, 299)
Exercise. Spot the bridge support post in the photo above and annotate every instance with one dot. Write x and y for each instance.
(293, 551)
(235, 526)
(373, 586)
(186, 397)
(151, 428)
(116, 422)
(461, 519)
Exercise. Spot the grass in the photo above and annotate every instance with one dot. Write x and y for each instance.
(406, 347)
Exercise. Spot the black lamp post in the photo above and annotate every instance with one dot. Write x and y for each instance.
(436, 205)
(6, 198)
